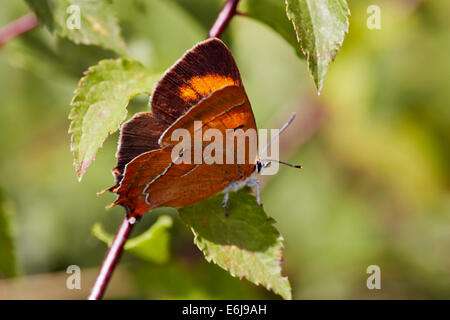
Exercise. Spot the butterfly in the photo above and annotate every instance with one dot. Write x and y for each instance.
(204, 85)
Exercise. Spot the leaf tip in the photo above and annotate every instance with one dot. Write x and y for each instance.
(81, 168)
(79, 172)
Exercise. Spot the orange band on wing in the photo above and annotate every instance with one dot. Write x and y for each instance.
(204, 85)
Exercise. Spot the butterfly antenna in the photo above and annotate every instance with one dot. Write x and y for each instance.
(284, 127)
(268, 161)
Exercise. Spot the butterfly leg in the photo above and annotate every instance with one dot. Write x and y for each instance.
(224, 203)
(258, 199)
(255, 183)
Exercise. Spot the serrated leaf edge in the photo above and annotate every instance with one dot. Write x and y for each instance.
(279, 254)
(82, 166)
(319, 84)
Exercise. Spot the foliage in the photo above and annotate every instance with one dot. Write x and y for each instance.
(245, 242)
(99, 105)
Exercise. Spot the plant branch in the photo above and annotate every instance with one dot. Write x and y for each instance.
(114, 252)
(111, 259)
(224, 17)
(18, 27)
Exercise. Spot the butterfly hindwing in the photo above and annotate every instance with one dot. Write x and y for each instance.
(153, 179)
(138, 135)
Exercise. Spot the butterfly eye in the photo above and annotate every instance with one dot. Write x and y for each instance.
(258, 166)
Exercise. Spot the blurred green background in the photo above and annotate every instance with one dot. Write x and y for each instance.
(375, 146)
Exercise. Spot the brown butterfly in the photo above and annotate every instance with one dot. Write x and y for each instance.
(204, 85)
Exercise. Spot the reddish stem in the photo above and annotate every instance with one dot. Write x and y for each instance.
(18, 27)
(110, 261)
(114, 252)
(224, 17)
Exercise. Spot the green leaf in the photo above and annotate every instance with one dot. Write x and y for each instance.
(98, 24)
(7, 256)
(245, 243)
(152, 245)
(273, 14)
(320, 26)
(99, 105)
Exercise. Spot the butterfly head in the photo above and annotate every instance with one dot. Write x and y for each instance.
(258, 166)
